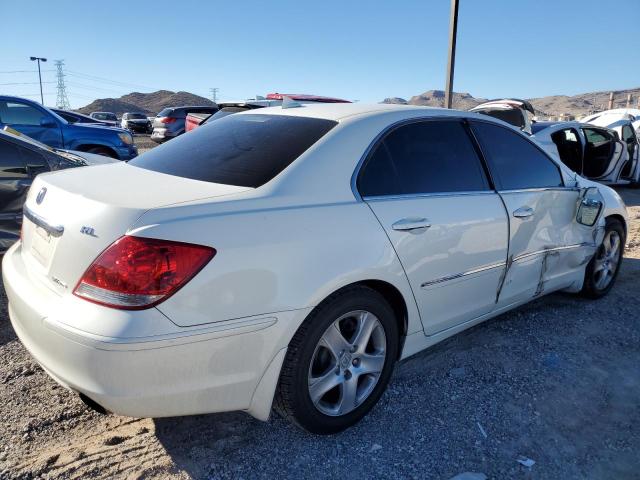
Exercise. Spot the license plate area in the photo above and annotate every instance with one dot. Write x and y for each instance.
(42, 245)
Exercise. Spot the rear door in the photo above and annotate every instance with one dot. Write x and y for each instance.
(425, 183)
(14, 185)
(630, 170)
(546, 244)
(602, 153)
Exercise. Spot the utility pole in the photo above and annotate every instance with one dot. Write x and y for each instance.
(451, 62)
(214, 94)
(39, 59)
(610, 106)
(61, 98)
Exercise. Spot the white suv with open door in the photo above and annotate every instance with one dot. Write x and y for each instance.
(289, 257)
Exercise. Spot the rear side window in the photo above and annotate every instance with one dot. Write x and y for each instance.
(515, 162)
(165, 112)
(11, 163)
(423, 157)
(243, 150)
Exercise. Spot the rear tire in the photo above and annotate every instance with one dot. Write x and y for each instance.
(602, 270)
(325, 361)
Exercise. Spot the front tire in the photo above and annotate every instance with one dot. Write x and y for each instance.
(339, 362)
(602, 270)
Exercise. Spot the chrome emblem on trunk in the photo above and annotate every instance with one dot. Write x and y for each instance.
(41, 194)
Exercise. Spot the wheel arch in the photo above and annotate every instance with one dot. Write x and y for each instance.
(621, 219)
(391, 294)
(85, 147)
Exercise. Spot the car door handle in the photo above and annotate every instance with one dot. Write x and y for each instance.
(408, 224)
(523, 212)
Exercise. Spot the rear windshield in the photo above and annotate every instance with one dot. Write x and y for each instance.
(242, 150)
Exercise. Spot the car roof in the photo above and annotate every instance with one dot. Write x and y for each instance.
(339, 111)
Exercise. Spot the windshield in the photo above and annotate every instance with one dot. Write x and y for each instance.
(242, 150)
(226, 111)
(136, 116)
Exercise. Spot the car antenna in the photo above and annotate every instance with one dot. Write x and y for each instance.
(288, 102)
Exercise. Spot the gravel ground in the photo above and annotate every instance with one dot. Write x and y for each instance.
(556, 381)
(143, 142)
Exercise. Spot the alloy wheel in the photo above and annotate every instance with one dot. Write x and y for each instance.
(607, 260)
(347, 363)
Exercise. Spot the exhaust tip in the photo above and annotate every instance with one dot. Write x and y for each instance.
(93, 405)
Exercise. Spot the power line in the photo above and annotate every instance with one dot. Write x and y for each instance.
(61, 98)
(24, 71)
(95, 78)
(24, 83)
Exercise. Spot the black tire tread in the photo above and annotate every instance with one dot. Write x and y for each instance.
(283, 399)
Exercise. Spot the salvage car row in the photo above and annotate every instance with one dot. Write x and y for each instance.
(288, 256)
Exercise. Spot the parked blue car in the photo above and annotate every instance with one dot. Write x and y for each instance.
(47, 127)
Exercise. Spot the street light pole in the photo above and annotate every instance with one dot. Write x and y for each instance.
(451, 62)
(39, 59)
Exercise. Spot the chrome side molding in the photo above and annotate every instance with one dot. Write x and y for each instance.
(53, 230)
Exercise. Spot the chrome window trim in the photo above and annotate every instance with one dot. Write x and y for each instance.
(386, 131)
(541, 189)
(53, 230)
(407, 196)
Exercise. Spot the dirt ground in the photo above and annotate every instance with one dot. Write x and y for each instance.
(556, 381)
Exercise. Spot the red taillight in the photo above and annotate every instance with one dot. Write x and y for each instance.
(135, 272)
(168, 119)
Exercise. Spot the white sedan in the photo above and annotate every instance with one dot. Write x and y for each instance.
(289, 257)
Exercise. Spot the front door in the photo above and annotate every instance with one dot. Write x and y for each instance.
(426, 185)
(547, 246)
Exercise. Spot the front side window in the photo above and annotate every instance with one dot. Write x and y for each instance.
(515, 162)
(19, 114)
(242, 150)
(421, 158)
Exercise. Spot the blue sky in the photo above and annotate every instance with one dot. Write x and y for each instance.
(364, 50)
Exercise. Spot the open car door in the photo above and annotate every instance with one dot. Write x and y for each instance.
(604, 155)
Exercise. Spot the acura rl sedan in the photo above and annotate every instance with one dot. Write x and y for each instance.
(287, 258)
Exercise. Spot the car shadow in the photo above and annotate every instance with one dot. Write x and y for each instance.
(6, 330)
(529, 382)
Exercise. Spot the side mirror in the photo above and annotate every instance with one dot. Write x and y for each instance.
(47, 122)
(589, 207)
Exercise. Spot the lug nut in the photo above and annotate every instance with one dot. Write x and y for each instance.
(356, 362)
(347, 375)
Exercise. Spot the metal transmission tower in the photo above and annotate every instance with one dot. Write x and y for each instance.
(214, 94)
(61, 99)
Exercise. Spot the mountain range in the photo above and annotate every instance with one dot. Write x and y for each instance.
(555, 105)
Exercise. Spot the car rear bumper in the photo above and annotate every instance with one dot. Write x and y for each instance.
(213, 368)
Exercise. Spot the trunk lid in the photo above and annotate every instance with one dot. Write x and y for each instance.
(71, 216)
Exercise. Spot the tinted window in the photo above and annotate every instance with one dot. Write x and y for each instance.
(165, 112)
(515, 162)
(19, 114)
(135, 116)
(423, 157)
(244, 150)
(11, 165)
